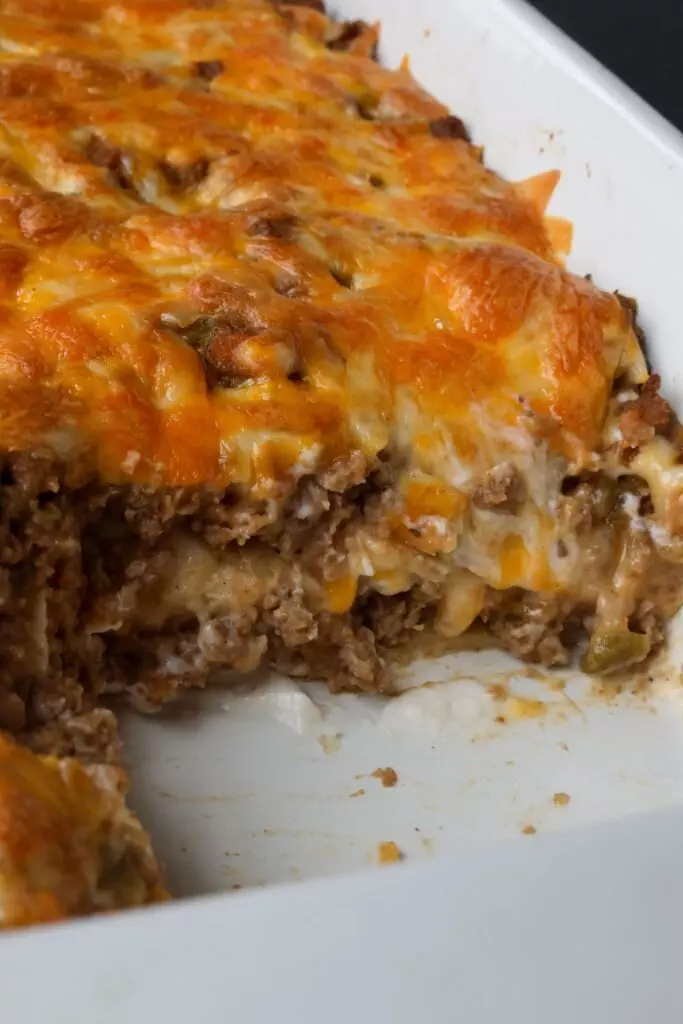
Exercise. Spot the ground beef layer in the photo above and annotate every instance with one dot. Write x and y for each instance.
(87, 609)
(76, 555)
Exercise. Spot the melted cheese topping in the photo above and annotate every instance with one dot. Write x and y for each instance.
(68, 844)
(232, 252)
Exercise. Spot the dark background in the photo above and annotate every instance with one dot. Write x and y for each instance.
(640, 40)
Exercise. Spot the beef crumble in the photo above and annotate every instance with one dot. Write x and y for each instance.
(501, 489)
(646, 415)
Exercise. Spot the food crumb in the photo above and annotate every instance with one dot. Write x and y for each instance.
(561, 799)
(235, 887)
(387, 776)
(357, 792)
(388, 853)
(528, 830)
(563, 746)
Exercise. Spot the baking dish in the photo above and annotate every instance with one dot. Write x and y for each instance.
(245, 790)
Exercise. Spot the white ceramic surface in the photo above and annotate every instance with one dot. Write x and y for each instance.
(579, 929)
(248, 791)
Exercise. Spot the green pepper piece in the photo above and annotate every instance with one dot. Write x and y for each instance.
(610, 651)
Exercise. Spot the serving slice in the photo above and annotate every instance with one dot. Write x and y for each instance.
(287, 374)
(68, 844)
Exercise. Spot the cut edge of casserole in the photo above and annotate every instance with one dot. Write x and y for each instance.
(69, 846)
(288, 375)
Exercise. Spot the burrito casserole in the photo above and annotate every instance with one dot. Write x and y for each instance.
(288, 375)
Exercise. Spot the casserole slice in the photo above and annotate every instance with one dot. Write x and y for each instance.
(287, 374)
(68, 844)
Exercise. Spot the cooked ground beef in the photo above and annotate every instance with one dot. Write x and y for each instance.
(395, 620)
(533, 627)
(76, 558)
(588, 501)
(501, 489)
(91, 737)
(449, 127)
(345, 654)
(647, 415)
(631, 307)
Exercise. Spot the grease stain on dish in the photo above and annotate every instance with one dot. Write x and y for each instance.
(524, 707)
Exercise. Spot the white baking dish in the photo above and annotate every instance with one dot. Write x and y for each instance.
(241, 792)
